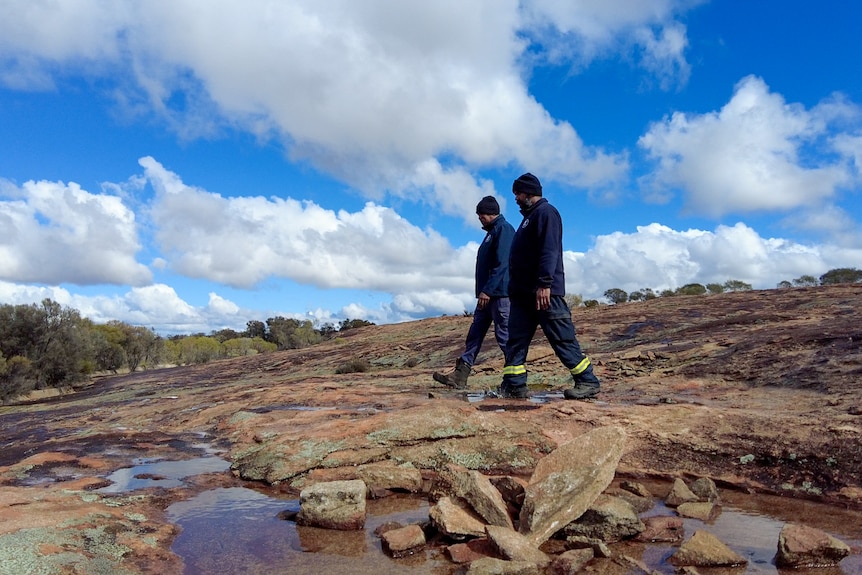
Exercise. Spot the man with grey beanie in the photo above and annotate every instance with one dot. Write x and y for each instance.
(492, 284)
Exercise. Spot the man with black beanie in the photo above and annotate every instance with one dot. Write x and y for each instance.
(537, 286)
(492, 279)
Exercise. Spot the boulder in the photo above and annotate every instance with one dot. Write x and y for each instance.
(516, 547)
(333, 505)
(477, 490)
(567, 481)
(571, 562)
(403, 541)
(704, 549)
(705, 489)
(491, 566)
(662, 529)
(455, 518)
(679, 494)
(802, 546)
(609, 518)
(703, 510)
(471, 551)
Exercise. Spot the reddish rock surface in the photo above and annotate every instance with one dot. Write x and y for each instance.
(759, 390)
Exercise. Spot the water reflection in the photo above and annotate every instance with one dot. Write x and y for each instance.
(156, 473)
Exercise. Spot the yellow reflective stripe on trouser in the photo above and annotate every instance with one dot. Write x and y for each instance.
(578, 369)
(514, 369)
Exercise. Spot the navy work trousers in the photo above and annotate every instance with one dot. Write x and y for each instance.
(497, 311)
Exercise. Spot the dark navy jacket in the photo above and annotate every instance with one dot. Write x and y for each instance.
(492, 259)
(536, 259)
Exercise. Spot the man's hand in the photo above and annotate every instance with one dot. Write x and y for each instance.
(543, 298)
(483, 300)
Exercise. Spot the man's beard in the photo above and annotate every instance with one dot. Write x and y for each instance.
(527, 202)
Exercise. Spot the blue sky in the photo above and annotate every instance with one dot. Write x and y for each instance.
(189, 166)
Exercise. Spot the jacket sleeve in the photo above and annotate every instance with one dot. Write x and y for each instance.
(549, 238)
(498, 274)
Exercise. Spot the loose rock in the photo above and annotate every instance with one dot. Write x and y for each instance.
(802, 546)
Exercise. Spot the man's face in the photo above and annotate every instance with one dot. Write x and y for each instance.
(486, 219)
(524, 200)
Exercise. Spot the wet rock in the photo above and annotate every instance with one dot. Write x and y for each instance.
(491, 566)
(567, 481)
(702, 510)
(403, 541)
(705, 489)
(679, 494)
(333, 505)
(704, 549)
(516, 547)
(453, 517)
(477, 490)
(802, 546)
(662, 529)
(472, 550)
(571, 562)
(609, 518)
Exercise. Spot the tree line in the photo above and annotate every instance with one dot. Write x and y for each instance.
(616, 295)
(50, 346)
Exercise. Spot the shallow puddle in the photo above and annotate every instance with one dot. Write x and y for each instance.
(159, 473)
(238, 531)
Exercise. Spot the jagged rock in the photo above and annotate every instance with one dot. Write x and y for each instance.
(333, 505)
(679, 494)
(704, 549)
(516, 547)
(638, 503)
(571, 562)
(609, 518)
(567, 481)
(803, 546)
(599, 547)
(703, 510)
(477, 490)
(403, 541)
(636, 488)
(472, 550)
(491, 566)
(455, 518)
(662, 529)
(705, 489)
(511, 488)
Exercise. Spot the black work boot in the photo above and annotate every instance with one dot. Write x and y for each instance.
(456, 378)
(506, 391)
(586, 386)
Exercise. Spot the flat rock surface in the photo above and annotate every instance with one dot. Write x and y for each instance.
(759, 389)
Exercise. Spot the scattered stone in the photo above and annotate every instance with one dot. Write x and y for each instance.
(609, 518)
(638, 503)
(802, 546)
(455, 518)
(382, 475)
(567, 481)
(705, 489)
(571, 562)
(704, 549)
(478, 491)
(679, 494)
(333, 505)
(491, 566)
(702, 510)
(403, 541)
(516, 547)
(662, 529)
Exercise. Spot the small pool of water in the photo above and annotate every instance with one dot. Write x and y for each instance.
(160, 473)
(238, 530)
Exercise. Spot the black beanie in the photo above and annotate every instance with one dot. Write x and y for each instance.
(488, 205)
(528, 184)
